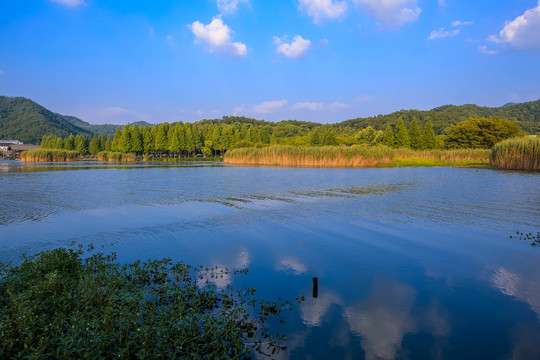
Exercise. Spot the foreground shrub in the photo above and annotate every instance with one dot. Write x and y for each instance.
(56, 304)
(522, 153)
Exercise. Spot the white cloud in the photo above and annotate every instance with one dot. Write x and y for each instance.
(318, 106)
(265, 107)
(391, 13)
(292, 263)
(71, 3)
(2, 72)
(442, 2)
(229, 6)
(150, 29)
(523, 32)
(462, 23)
(365, 98)
(296, 49)
(218, 37)
(485, 50)
(308, 106)
(441, 33)
(321, 9)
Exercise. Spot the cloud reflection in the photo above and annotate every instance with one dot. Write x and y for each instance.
(291, 263)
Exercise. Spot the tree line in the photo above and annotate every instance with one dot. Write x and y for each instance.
(209, 138)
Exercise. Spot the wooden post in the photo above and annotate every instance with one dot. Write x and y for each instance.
(315, 287)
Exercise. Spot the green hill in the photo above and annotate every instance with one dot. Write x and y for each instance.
(24, 120)
(527, 115)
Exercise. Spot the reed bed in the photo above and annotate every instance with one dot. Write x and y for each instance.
(521, 153)
(115, 156)
(48, 155)
(446, 156)
(300, 156)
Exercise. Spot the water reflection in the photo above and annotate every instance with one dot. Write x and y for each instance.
(410, 262)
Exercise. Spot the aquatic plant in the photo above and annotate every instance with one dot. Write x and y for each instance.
(49, 155)
(522, 153)
(115, 156)
(534, 239)
(66, 304)
(446, 155)
(311, 156)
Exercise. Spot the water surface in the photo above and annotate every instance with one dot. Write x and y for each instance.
(411, 262)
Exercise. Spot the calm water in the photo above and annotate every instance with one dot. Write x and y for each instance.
(412, 263)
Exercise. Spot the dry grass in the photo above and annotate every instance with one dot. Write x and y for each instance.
(48, 155)
(446, 156)
(301, 156)
(115, 156)
(521, 153)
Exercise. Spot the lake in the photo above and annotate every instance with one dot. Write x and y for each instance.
(412, 263)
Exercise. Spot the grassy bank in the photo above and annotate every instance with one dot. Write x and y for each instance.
(521, 153)
(115, 156)
(65, 304)
(441, 157)
(356, 156)
(323, 156)
(47, 155)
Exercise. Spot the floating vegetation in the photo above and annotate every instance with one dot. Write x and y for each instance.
(66, 304)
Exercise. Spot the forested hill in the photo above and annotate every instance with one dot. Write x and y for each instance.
(24, 120)
(526, 114)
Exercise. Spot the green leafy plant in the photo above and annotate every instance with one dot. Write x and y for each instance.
(64, 303)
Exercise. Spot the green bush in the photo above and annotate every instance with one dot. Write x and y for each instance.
(58, 304)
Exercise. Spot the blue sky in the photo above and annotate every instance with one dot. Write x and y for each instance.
(314, 60)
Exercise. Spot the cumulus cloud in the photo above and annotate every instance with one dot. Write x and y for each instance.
(391, 13)
(292, 263)
(71, 3)
(441, 33)
(523, 32)
(217, 36)
(461, 23)
(296, 49)
(229, 6)
(485, 50)
(323, 9)
(265, 107)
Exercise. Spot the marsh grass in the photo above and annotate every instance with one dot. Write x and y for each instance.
(446, 156)
(66, 304)
(115, 156)
(522, 153)
(48, 155)
(314, 156)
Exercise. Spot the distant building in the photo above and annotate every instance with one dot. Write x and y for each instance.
(14, 151)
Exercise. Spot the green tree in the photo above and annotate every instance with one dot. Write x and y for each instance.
(125, 145)
(136, 140)
(93, 148)
(162, 143)
(102, 142)
(108, 144)
(69, 142)
(314, 137)
(388, 137)
(430, 141)
(366, 136)
(415, 134)
(402, 135)
(481, 133)
(81, 145)
(149, 142)
(174, 142)
(328, 135)
(115, 146)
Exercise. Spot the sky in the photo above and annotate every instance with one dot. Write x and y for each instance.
(120, 61)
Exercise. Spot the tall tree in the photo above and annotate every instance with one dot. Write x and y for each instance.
(149, 142)
(402, 135)
(136, 140)
(415, 134)
(481, 132)
(81, 145)
(125, 145)
(162, 142)
(93, 147)
(116, 139)
(69, 142)
(388, 138)
(430, 141)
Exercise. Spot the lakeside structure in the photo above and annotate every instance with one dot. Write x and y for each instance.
(12, 149)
